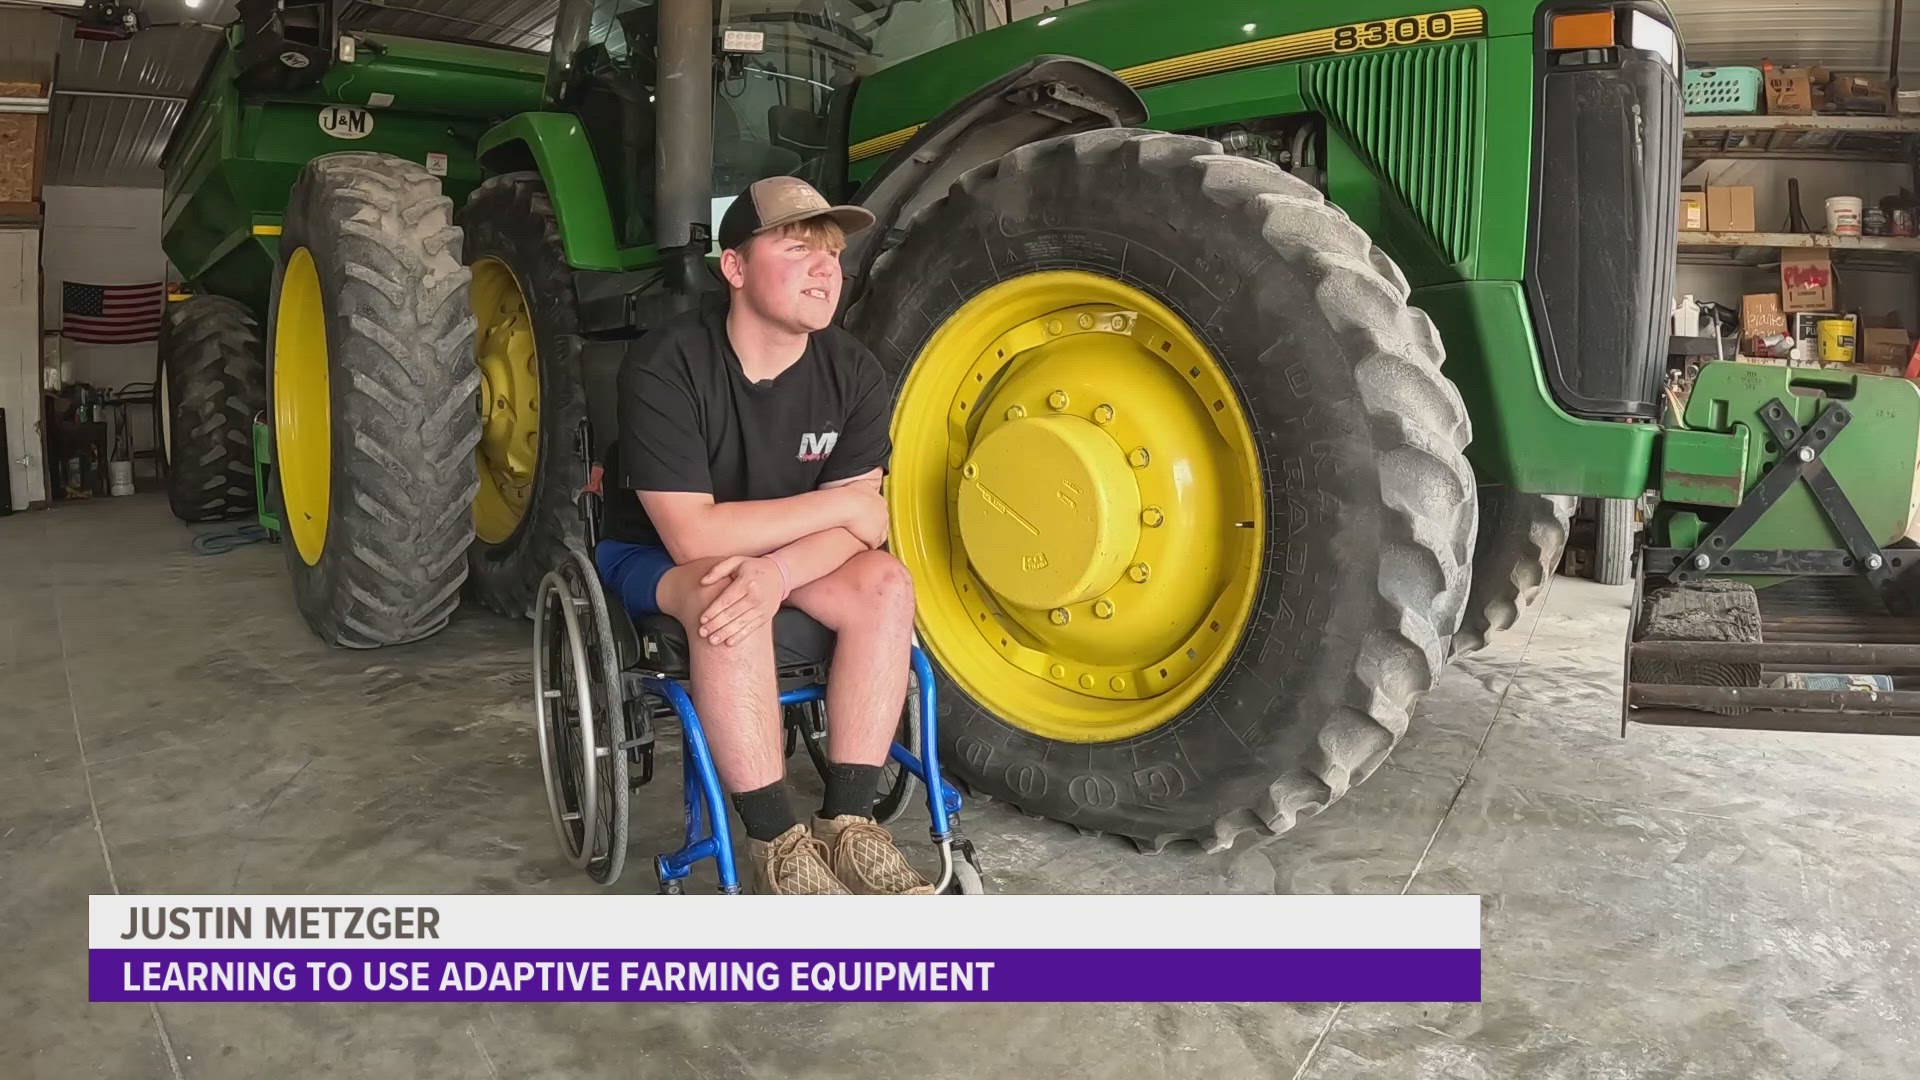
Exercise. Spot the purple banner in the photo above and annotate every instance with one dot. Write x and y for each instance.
(170, 975)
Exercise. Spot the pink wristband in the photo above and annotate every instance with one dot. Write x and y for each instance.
(786, 582)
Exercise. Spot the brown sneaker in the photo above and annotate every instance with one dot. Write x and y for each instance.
(865, 859)
(792, 864)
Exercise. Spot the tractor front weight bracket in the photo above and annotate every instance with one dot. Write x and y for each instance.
(1801, 460)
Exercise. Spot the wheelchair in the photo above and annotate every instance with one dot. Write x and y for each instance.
(607, 687)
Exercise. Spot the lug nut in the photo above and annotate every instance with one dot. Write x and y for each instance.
(1138, 572)
(1057, 400)
(1118, 684)
(1103, 609)
(1103, 414)
(970, 470)
(1139, 458)
(1701, 562)
(1118, 322)
(1086, 321)
(1053, 326)
(1058, 671)
(1873, 563)
(1015, 412)
(1059, 616)
(1086, 682)
(1151, 517)
(1805, 453)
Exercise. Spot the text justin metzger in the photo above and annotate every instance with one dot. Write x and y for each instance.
(233, 922)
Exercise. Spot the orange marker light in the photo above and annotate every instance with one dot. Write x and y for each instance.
(1583, 30)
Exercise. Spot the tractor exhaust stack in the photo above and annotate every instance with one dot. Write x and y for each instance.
(683, 145)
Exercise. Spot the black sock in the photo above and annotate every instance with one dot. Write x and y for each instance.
(766, 812)
(851, 789)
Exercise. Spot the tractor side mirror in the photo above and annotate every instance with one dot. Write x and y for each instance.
(799, 130)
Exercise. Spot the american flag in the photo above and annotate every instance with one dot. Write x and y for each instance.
(112, 314)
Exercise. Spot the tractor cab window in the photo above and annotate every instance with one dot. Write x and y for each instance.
(616, 74)
(772, 110)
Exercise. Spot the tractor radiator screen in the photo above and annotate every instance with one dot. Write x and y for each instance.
(1416, 114)
(1600, 253)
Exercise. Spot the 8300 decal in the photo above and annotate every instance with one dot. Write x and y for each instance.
(1409, 30)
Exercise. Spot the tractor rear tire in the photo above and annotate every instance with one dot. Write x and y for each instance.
(1367, 499)
(1519, 545)
(213, 379)
(374, 473)
(509, 222)
(1613, 547)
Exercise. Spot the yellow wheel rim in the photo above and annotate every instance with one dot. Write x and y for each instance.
(1076, 490)
(302, 411)
(509, 449)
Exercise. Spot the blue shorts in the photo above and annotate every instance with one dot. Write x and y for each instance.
(632, 572)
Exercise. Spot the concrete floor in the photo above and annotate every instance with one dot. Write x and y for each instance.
(1677, 904)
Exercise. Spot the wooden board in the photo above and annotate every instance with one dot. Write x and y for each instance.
(22, 144)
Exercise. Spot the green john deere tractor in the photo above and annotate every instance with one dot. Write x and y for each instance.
(1194, 513)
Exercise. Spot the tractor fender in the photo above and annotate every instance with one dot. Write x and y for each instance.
(1042, 98)
(555, 145)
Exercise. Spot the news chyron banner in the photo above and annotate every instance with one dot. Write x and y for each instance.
(784, 948)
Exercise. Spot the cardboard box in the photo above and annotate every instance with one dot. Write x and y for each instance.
(1882, 346)
(1806, 279)
(1693, 211)
(1729, 209)
(1857, 94)
(1760, 315)
(1790, 92)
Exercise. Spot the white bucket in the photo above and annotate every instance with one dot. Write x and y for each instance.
(1907, 101)
(120, 477)
(1843, 215)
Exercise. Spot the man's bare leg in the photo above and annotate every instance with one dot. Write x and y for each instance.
(732, 685)
(868, 604)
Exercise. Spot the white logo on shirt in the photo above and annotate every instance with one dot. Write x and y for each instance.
(815, 446)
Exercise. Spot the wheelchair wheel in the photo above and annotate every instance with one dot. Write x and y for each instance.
(897, 785)
(580, 718)
(966, 880)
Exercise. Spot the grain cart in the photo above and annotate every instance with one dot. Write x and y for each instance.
(277, 92)
(1192, 508)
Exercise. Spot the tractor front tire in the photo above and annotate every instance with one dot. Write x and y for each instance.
(1348, 451)
(373, 387)
(527, 341)
(1521, 539)
(212, 380)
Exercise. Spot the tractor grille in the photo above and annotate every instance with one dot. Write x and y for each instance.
(1416, 113)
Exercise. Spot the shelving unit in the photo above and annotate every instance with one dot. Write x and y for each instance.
(1804, 138)
(1890, 138)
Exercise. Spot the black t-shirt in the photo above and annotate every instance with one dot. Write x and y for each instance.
(691, 421)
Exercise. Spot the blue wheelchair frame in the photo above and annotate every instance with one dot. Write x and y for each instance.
(706, 806)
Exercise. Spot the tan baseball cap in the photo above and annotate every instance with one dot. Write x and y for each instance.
(783, 200)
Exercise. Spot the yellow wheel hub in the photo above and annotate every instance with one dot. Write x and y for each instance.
(1076, 490)
(1047, 511)
(509, 450)
(302, 411)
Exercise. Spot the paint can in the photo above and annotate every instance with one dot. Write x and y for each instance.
(1843, 215)
(1836, 341)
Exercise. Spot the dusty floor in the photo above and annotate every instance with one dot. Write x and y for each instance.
(1675, 904)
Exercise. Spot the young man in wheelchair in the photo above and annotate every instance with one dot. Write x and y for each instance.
(752, 444)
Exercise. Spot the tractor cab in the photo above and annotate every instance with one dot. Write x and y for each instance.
(783, 77)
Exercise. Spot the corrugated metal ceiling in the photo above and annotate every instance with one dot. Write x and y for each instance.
(117, 141)
(1845, 35)
(116, 102)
